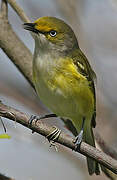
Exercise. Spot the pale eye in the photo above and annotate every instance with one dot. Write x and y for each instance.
(53, 33)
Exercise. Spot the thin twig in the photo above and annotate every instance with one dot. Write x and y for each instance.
(15, 49)
(18, 10)
(43, 129)
(4, 8)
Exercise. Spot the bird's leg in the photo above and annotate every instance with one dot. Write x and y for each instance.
(78, 139)
(54, 134)
(37, 118)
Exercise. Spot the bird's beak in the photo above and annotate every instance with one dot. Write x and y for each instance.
(30, 27)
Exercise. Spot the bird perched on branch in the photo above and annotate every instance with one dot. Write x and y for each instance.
(64, 79)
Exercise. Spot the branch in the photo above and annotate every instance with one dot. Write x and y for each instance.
(44, 130)
(4, 8)
(14, 48)
(18, 10)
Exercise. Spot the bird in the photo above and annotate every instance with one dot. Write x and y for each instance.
(64, 79)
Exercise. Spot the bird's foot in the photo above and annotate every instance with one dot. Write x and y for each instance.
(53, 136)
(78, 139)
(37, 118)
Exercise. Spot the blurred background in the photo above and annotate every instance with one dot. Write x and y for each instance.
(27, 156)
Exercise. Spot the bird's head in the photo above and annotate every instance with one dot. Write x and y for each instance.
(52, 33)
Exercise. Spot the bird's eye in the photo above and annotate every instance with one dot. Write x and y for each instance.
(53, 33)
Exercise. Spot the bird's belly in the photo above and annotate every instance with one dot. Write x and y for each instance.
(55, 99)
(64, 97)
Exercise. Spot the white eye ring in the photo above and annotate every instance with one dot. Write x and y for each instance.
(53, 33)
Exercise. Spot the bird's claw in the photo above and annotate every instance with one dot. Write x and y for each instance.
(37, 118)
(77, 141)
(33, 118)
(52, 143)
(53, 136)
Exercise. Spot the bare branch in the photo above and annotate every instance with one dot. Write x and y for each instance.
(10, 43)
(4, 8)
(43, 129)
(15, 49)
(18, 10)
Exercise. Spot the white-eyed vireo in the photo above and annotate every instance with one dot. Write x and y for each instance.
(64, 79)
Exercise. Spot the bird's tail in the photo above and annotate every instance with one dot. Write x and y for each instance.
(93, 166)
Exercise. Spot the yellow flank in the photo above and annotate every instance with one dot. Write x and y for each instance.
(74, 85)
(64, 90)
(68, 65)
